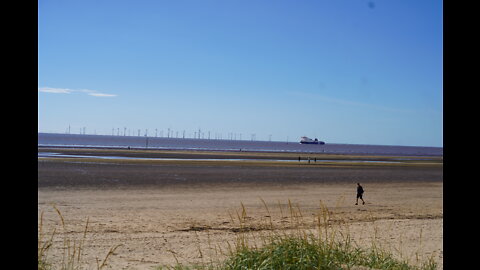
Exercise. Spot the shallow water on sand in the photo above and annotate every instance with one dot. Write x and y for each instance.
(141, 142)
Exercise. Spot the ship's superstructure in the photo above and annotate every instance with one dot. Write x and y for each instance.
(306, 140)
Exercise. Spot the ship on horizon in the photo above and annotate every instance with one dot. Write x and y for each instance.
(306, 140)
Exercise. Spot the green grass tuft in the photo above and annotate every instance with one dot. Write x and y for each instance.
(324, 248)
(293, 252)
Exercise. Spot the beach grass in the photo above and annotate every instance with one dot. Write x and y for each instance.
(72, 248)
(321, 243)
(326, 247)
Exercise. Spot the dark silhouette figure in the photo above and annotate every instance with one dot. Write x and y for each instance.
(359, 193)
(298, 159)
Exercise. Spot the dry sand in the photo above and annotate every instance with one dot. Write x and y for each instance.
(161, 213)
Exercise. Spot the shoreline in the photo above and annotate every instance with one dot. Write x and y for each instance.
(217, 154)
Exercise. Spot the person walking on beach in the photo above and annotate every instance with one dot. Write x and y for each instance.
(359, 193)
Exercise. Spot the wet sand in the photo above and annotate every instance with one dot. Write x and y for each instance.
(161, 212)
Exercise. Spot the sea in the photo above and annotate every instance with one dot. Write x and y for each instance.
(164, 143)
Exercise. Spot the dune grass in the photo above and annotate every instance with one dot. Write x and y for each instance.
(309, 252)
(73, 248)
(266, 247)
(325, 247)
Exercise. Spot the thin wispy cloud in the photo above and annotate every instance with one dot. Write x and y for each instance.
(356, 103)
(55, 90)
(101, 95)
(89, 92)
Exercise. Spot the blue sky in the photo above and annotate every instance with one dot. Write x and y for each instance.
(344, 71)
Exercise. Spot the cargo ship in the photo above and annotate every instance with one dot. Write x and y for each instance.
(306, 140)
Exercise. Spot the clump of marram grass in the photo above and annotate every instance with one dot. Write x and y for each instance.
(326, 247)
(44, 246)
(72, 257)
(293, 252)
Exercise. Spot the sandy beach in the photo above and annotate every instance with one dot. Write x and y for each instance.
(163, 211)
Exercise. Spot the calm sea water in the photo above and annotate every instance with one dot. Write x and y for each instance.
(77, 140)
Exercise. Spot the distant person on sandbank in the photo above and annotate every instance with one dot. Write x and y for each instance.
(359, 193)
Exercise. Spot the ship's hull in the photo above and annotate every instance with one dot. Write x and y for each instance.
(312, 142)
